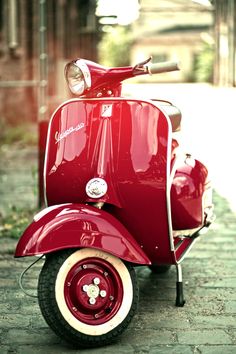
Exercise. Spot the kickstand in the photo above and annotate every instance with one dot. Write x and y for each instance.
(179, 287)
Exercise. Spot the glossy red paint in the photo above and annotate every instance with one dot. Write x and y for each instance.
(75, 226)
(181, 246)
(84, 275)
(188, 186)
(105, 79)
(126, 143)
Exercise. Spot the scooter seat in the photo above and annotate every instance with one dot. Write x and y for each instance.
(175, 116)
(173, 113)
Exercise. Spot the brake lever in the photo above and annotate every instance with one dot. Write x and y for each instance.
(141, 66)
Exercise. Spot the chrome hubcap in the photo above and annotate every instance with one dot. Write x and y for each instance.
(93, 291)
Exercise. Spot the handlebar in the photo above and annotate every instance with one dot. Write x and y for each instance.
(163, 67)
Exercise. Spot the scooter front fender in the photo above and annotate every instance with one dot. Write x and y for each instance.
(77, 226)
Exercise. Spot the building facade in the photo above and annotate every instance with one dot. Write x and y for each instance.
(225, 43)
(36, 39)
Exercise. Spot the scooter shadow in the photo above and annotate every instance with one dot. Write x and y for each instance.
(154, 288)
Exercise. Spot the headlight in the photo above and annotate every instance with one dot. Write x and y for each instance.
(78, 77)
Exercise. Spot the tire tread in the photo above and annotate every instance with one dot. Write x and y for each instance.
(53, 317)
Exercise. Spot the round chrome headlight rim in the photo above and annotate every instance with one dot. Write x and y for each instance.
(85, 70)
(78, 77)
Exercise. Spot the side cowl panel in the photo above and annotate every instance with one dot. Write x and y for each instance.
(189, 184)
(77, 226)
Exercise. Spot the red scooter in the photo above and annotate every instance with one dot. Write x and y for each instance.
(120, 193)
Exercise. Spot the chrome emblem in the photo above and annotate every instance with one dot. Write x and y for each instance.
(63, 135)
(106, 110)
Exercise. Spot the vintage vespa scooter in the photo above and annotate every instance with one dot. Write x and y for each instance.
(119, 194)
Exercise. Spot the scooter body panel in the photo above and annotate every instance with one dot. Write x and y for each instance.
(78, 226)
(126, 142)
(190, 183)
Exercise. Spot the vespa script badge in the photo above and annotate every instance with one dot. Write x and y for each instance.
(63, 135)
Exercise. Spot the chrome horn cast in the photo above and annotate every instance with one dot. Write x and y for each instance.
(93, 291)
(96, 187)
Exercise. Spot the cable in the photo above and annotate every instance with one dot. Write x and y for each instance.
(22, 275)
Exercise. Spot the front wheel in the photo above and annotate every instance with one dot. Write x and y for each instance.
(87, 296)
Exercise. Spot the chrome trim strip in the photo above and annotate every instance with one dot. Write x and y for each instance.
(187, 251)
(169, 180)
(154, 103)
(45, 160)
(185, 233)
(169, 177)
(179, 273)
(102, 149)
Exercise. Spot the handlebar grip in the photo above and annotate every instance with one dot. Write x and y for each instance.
(163, 67)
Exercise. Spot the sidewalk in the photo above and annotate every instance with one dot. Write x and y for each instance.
(206, 324)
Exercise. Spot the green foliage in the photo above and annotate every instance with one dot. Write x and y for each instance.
(25, 134)
(114, 48)
(15, 222)
(204, 64)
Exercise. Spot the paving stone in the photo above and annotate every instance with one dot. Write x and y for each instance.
(168, 320)
(169, 349)
(153, 337)
(56, 349)
(29, 336)
(4, 349)
(215, 321)
(8, 283)
(217, 349)
(230, 306)
(14, 321)
(229, 282)
(37, 320)
(9, 308)
(196, 337)
(30, 307)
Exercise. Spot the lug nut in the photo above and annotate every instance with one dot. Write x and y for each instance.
(96, 281)
(85, 288)
(103, 293)
(92, 301)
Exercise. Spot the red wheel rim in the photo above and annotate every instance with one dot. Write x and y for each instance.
(93, 291)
